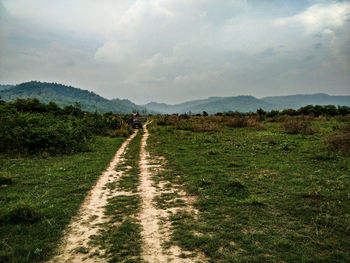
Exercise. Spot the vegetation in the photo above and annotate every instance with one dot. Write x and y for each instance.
(263, 195)
(50, 158)
(269, 186)
(28, 126)
(39, 196)
(121, 237)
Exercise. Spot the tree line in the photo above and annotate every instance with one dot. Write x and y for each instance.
(28, 126)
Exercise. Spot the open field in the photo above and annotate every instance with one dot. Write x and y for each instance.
(43, 195)
(185, 189)
(263, 195)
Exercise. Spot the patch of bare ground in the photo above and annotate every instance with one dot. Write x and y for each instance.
(156, 226)
(75, 247)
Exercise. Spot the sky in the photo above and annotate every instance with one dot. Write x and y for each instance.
(177, 50)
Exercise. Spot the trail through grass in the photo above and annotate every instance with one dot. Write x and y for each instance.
(43, 195)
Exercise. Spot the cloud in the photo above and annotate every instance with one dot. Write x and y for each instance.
(321, 17)
(172, 51)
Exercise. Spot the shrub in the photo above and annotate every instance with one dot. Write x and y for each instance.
(205, 127)
(124, 131)
(294, 125)
(33, 133)
(244, 121)
(28, 126)
(235, 122)
(256, 123)
(339, 142)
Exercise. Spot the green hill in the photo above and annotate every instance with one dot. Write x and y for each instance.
(66, 95)
(5, 87)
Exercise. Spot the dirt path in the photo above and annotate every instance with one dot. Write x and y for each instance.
(154, 221)
(75, 247)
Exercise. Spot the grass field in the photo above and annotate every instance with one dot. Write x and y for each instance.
(263, 195)
(38, 197)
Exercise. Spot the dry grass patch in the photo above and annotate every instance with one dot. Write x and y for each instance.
(297, 125)
(205, 127)
(339, 142)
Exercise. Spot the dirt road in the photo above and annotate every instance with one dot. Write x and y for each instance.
(154, 221)
(91, 215)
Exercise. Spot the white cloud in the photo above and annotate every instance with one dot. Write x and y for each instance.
(319, 17)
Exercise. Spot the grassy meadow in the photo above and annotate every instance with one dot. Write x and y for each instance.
(268, 186)
(50, 157)
(265, 190)
(42, 196)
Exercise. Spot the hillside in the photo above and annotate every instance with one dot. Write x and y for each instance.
(297, 101)
(248, 103)
(65, 95)
(5, 87)
(213, 105)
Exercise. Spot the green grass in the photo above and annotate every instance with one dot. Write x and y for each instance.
(263, 195)
(121, 236)
(130, 181)
(43, 195)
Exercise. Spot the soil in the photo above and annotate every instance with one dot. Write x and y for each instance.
(156, 227)
(155, 222)
(75, 247)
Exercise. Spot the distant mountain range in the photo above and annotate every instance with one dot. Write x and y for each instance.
(65, 95)
(297, 101)
(213, 105)
(249, 103)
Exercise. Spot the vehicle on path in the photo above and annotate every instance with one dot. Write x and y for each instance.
(136, 121)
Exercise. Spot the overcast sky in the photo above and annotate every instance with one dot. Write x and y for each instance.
(177, 50)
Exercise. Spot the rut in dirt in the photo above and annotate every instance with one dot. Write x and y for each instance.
(75, 246)
(155, 223)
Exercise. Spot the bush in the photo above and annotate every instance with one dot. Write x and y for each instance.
(339, 142)
(124, 131)
(204, 127)
(256, 123)
(33, 133)
(294, 125)
(244, 121)
(235, 122)
(28, 126)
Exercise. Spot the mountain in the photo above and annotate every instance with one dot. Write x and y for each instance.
(66, 95)
(297, 101)
(249, 103)
(213, 105)
(5, 87)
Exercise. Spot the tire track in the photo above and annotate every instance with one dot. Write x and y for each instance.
(75, 246)
(155, 221)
